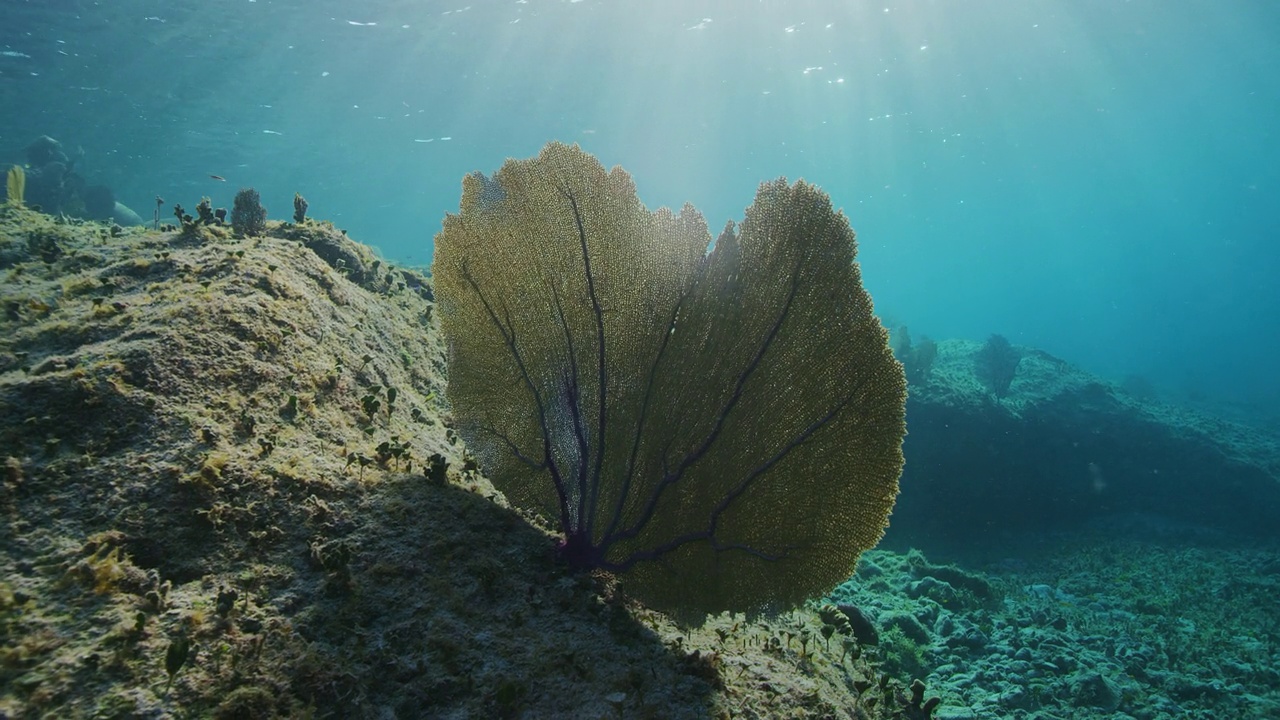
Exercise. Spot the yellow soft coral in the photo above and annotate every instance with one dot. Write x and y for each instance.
(17, 185)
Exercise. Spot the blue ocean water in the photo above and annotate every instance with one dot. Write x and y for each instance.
(1093, 178)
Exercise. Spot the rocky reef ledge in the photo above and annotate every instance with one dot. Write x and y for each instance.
(231, 490)
(1055, 448)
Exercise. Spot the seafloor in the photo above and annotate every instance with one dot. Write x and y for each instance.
(231, 490)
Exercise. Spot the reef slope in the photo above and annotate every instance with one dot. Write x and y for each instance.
(231, 490)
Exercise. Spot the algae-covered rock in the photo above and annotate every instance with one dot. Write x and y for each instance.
(239, 447)
(152, 467)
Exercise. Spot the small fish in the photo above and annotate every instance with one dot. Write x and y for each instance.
(219, 178)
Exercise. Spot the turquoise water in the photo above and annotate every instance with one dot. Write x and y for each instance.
(1092, 178)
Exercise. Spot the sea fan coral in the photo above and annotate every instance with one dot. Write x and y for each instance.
(721, 430)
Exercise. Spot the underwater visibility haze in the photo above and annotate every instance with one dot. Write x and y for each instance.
(300, 452)
(1090, 178)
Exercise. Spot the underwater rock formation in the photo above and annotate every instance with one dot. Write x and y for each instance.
(1063, 447)
(238, 448)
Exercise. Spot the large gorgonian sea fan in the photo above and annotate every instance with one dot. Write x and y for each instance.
(722, 430)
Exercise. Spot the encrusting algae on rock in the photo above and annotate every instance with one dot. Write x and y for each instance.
(238, 446)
